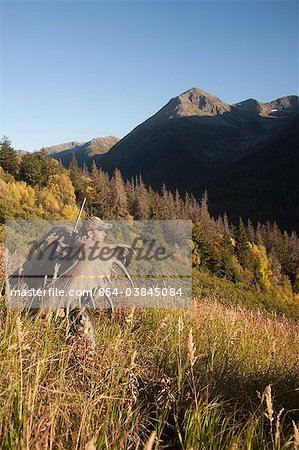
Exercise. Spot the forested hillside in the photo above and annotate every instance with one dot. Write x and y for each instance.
(263, 258)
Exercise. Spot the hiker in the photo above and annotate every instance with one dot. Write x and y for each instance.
(62, 259)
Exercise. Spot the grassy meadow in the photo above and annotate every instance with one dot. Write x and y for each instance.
(215, 376)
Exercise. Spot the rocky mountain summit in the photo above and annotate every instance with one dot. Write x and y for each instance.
(194, 102)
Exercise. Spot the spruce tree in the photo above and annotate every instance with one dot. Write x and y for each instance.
(130, 190)
(141, 205)
(33, 170)
(118, 196)
(76, 177)
(163, 203)
(101, 193)
(9, 159)
(179, 206)
(242, 247)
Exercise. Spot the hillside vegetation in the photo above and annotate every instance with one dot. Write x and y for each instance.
(220, 375)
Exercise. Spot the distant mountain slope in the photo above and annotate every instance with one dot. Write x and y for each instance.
(84, 151)
(193, 137)
(263, 185)
(62, 147)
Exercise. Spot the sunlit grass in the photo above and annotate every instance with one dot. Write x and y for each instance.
(152, 382)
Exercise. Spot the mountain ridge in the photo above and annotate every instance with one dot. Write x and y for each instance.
(197, 132)
(280, 106)
(196, 140)
(194, 102)
(83, 151)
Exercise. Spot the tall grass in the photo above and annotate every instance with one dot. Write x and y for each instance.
(210, 377)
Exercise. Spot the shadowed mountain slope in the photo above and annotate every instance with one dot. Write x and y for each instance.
(195, 136)
(263, 185)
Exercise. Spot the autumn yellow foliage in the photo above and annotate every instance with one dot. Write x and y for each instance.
(18, 200)
(263, 265)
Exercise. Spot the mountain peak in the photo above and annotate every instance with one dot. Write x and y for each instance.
(196, 102)
(196, 91)
(193, 102)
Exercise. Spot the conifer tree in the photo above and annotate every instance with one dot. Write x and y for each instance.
(250, 231)
(178, 205)
(154, 201)
(187, 206)
(130, 191)
(9, 159)
(118, 196)
(33, 169)
(226, 225)
(141, 204)
(195, 207)
(76, 176)
(243, 252)
(163, 208)
(94, 170)
(259, 234)
(101, 193)
(220, 224)
(207, 237)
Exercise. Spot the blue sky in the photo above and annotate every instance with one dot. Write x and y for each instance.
(74, 70)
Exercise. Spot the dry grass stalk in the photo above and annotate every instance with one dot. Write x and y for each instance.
(296, 436)
(92, 443)
(277, 428)
(269, 403)
(180, 325)
(151, 441)
(191, 349)
(270, 411)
